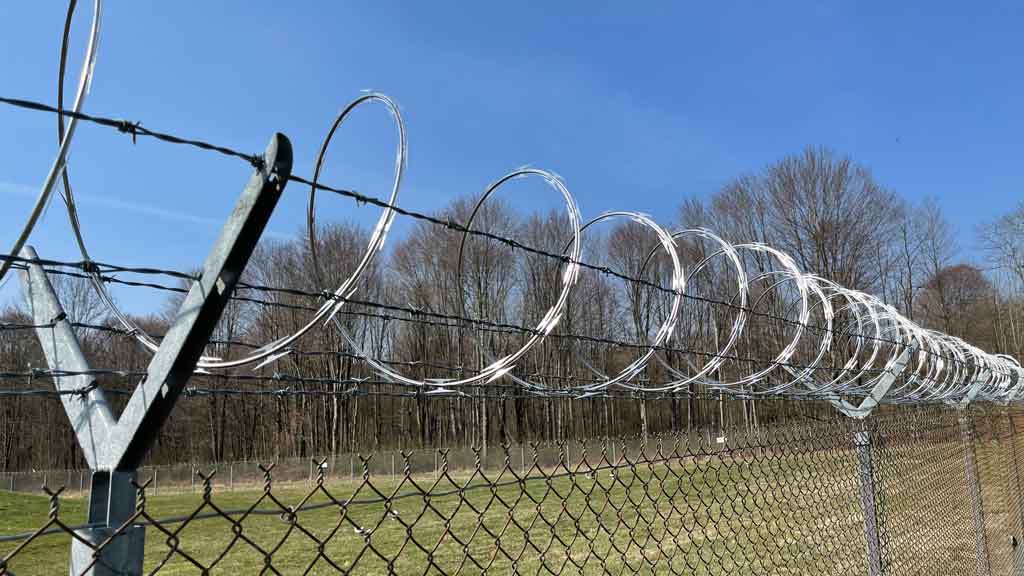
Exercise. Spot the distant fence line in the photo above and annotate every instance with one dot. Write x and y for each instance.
(348, 466)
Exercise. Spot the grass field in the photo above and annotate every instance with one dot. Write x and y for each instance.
(728, 514)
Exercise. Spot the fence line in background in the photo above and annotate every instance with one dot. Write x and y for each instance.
(297, 470)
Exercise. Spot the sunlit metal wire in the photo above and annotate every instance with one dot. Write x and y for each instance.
(66, 136)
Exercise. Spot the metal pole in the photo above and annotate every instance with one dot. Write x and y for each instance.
(183, 343)
(866, 474)
(1015, 541)
(1012, 462)
(981, 565)
(107, 549)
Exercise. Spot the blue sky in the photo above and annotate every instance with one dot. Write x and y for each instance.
(636, 105)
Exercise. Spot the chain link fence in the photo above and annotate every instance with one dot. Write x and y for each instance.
(909, 490)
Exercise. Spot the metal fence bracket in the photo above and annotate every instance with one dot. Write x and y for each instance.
(114, 448)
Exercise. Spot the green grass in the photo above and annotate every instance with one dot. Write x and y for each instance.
(729, 515)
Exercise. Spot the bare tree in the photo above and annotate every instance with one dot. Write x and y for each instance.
(923, 245)
(958, 300)
(1003, 238)
(830, 214)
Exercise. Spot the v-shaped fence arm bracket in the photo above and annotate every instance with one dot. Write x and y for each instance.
(880, 389)
(120, 444)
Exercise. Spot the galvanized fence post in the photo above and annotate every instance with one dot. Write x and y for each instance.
(863, 440)
(109, 548)
(866, 476)
(1018, 497)
(1015, 468)
(967, 434)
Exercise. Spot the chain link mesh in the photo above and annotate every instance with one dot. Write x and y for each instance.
(779, 500)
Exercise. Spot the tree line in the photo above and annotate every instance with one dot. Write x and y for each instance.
(440, 305)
